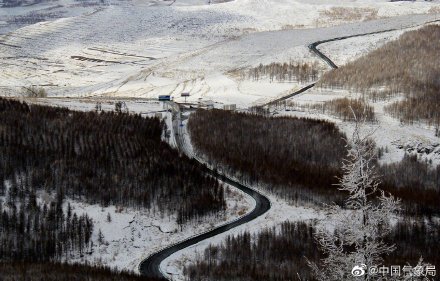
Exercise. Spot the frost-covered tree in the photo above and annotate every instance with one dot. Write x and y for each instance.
(360, 226)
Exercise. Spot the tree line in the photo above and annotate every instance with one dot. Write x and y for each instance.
(299, 159)
(33, 231)
(272, 254)
(282, 253)
(415, 181)
(104, 158)
(49, 154)
(292, 157)
(342, 108)
(37, 271)
(283, 72)
(406, 66)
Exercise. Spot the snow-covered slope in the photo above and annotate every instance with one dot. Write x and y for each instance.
(132, 235)
(147, 48)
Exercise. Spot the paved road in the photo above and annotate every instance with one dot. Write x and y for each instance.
(313, 48)
(302, 90)
(151, 266)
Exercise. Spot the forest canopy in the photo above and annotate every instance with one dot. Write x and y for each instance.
(300, 159)
(281, 253)
(405, 67)
(55, 272)
(289, 156)
(100, 158)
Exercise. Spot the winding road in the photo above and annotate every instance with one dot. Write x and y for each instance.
(314, 48)
(151, 266)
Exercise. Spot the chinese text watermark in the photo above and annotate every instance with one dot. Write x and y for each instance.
(427, 271)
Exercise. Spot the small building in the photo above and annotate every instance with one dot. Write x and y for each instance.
(164, 98)
(230, 107)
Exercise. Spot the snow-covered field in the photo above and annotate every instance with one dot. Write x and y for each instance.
(137, 50)
(132, 235)
(342, 52)
(389, 133)
(144, 48)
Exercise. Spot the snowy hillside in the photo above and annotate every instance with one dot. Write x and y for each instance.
(82, 53)
(147, 48)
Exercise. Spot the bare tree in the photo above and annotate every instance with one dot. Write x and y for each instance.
(362, 224)
(403, 67)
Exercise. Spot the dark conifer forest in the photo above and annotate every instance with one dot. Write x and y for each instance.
(281, 254)
(270, 152)
(50, 154)
(14, 271)
(405, 67)
(300, 159)
(270, 255)
(415, 182)
(283, 72)
(289, 156)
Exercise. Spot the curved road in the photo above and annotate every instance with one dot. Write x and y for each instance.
(313, 48)
(151, 266)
